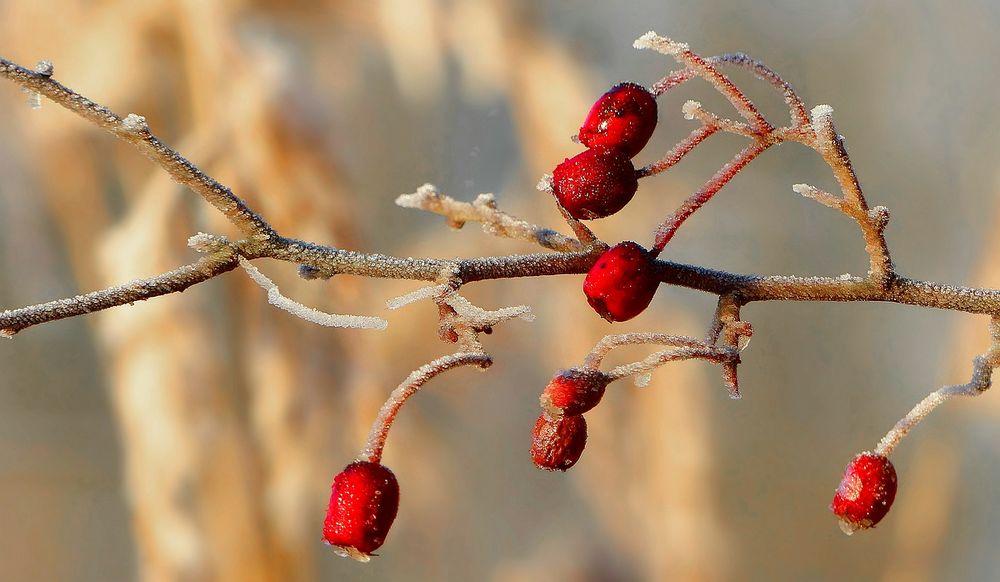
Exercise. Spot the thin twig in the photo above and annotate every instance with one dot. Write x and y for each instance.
(387, 414)
(133, 130)
(982, 373)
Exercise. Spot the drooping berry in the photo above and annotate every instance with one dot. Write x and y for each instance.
(573, 392)
(556, 444)
(622, 282)
(622, 119)
(865, 493)
(595, 183)
(363, 504)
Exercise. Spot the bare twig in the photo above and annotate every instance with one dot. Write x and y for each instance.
(484, 211)
(133, 130)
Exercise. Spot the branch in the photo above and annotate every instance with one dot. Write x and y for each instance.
(133, 130)
(484, 211)
(13, 321)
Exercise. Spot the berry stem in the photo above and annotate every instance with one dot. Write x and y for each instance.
(982, 378)
(387, 414)
(653, 361)
(610, 342)
(796, 107)
(669, 227)
(685, 56)
(677, 153)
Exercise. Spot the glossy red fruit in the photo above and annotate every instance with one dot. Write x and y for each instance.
(363, 504)
(622, 282)
(573, 392)
(622, 119)
(556, 444)
(865, 493)
(595, 183)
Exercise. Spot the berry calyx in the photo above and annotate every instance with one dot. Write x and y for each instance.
(595, 183)
(622, 119)
(556, 444)
(573, 392)
(363, 504)
(622, 282)
(865, 493)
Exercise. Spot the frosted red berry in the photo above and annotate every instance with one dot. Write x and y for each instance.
(573, 392)
(595, 183)
(623, 119)
(363, 504)
(622, 282)
(865, 493)
(556, 444)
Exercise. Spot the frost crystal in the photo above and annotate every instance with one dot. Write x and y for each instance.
(660, 44)
(414, 296)
(690, 109)
(134, 123)
(274, 297)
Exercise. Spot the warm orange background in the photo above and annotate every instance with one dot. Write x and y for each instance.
(194, 437)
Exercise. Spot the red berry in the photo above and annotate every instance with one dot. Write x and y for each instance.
(363, 503)
(556, 444)
(573, 392)
(622, 282)
(623, 119)
(866, 492)
(595, 183)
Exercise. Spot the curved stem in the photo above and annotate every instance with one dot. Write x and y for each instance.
(387, 414)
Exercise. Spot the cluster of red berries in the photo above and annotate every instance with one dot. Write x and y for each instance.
(560, 434)
(601, 181)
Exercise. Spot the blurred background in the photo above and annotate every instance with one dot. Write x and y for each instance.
(194, 437)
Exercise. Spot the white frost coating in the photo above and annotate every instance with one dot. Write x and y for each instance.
(418, 198)
(690, 109)
(643, 380)
(275, 298)
(545, 183)
(134, 123)
(487, 200)
(414, 296)
(45, 68)
(207, 243)
(660, 44)
(477, 315)
(803, 189)
(822, 118)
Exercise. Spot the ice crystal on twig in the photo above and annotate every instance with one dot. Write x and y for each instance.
(274, 297)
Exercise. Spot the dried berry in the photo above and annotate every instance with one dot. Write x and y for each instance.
(622, 119)
(622, 282)
(573, 392)
(595, 183)
(363, 504)
(556, 444)
(865, 493)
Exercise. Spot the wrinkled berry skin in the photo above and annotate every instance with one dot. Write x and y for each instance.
(622, 282)
(622, 119)
(573, 392)
(556, 444)
(594, 183)
(363, 504)
(865, 493)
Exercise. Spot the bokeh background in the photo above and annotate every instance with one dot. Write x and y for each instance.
(194, 437)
